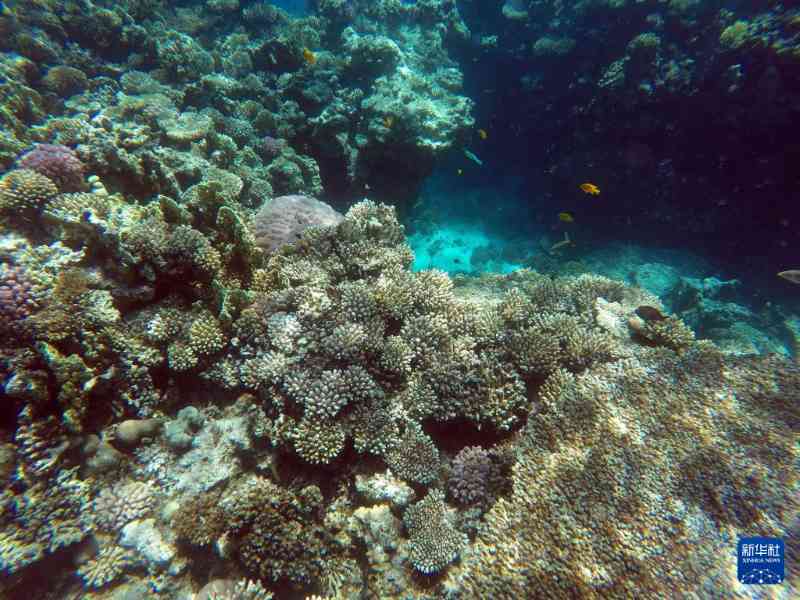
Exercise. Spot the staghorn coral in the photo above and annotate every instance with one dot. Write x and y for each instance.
(41, 442)
(72, 375)
(434, 542)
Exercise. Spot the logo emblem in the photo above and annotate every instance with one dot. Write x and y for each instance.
(760, 560)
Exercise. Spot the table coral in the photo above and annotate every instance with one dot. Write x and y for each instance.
(433, 539)
(414, 457)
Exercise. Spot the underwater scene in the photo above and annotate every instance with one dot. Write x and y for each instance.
(399, 299)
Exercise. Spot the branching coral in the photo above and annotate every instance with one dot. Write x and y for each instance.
(46, 516)
(116, 506)
(318, 441)
(474, 473)
(229, 589)
(104, 568)
(415, 457)
(624, 453)
(434, 541)
(19, 298)
(277, 537)
(23, 194)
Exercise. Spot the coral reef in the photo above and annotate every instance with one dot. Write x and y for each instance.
(672, 435)
(220, 372)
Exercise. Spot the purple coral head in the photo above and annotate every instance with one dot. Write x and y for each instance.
(17, 298)
(58, 163)
(472, 475)
(271, 147)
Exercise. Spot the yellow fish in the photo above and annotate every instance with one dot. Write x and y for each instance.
(482, 134)
(565, 217)
(590, 188)
(309, 56)
(388, 121)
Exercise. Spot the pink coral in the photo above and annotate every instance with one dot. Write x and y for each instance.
(58, 163)
(17, 298)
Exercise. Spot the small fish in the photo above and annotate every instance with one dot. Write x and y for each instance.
(388, 121)
(565, 217)
(5, 10)
(792, 275)
(482, 134)
(590, 188)
(309, 56)
(460, 172)
(457, 261)
(565, 242)
(649, 313)
(473, 158)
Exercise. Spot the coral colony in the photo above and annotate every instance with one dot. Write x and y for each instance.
(262, 336)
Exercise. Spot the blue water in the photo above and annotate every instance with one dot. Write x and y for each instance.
(294, 7)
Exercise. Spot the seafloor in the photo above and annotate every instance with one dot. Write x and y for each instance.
(315, 300)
